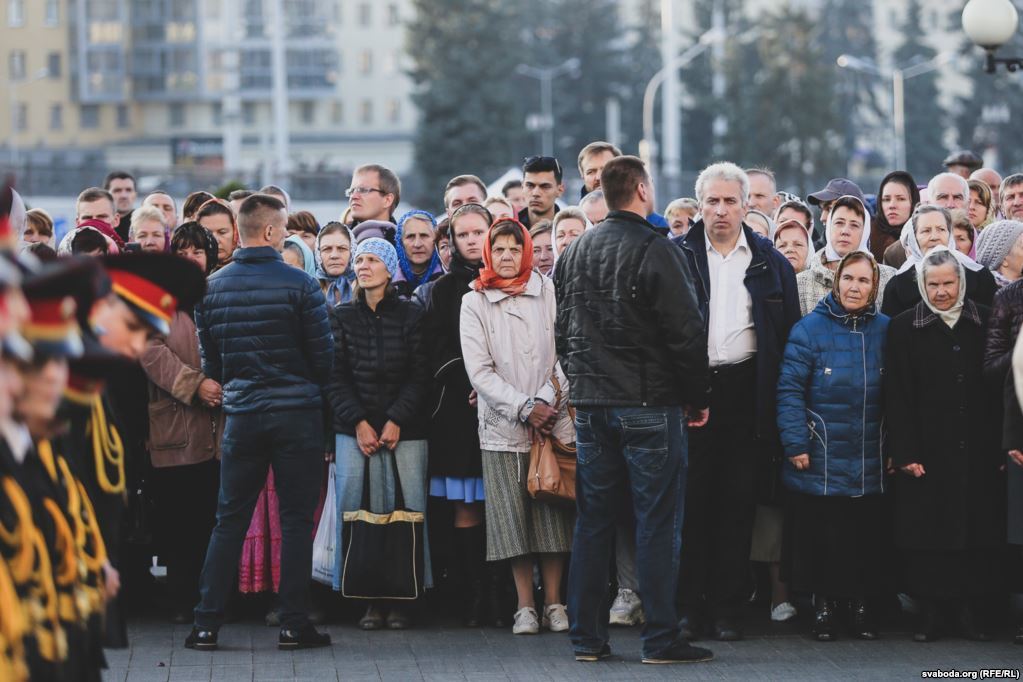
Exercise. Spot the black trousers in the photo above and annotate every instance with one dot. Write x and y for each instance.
(186, 511)
(721, 496)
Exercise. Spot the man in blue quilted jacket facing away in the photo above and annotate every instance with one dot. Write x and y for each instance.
(264, 336)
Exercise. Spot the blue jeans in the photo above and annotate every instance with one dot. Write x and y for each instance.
(641, 450)
(349, 463)
(292, 442)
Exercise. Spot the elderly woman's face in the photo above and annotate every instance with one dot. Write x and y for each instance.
(417, 238)
(855, 285)
(931, 231)
(758, 224)
(846, 230)
(371, 271)
(335, 252)
(942, 285)
(569, 230)
(506, 254)
(543, 253)
(792, 243)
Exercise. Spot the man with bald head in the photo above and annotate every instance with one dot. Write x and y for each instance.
(991, 178)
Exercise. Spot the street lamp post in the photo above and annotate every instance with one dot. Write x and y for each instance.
(546, 76)
(898, 76)
(990, 24)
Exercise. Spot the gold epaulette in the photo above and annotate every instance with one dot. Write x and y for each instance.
(107, 449)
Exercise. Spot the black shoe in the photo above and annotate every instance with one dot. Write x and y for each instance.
(500, 614)
(588, 657)
(398, 619)
(305, 637)
(201, 639)
(824, 621)
(690, 627)
(861, 621)
(680, 652)
(928, 627)
(726, 629)
(973, 626)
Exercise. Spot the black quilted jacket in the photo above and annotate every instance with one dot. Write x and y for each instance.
(380, 372)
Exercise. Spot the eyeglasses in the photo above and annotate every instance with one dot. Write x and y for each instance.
(545, 160)
(362, 190)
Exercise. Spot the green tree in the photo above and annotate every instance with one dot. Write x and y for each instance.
(925, 117)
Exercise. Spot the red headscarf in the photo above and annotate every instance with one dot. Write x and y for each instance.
(488, 277)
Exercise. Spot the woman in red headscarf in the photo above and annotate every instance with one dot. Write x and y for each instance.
(507, 334)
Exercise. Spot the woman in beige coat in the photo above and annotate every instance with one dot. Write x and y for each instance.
(507, 335)
(185, 427)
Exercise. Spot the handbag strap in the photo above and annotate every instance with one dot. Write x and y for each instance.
(399, 496)
(557, 397)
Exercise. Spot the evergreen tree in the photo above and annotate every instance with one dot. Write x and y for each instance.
(643, 57)
(925, 117)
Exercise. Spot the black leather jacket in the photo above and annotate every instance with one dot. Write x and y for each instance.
(629, 329)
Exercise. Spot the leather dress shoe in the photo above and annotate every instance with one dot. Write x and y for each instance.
(861, 620)
(726, 629)
(305, 637)
(201, 639)
(824, 622)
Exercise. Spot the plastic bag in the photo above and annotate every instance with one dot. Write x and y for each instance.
(325, 541)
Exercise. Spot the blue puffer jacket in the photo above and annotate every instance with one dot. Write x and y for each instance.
(830, 402)
(264, 334)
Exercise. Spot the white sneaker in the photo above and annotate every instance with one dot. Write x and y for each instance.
(783, 612)
(526, 622)
(627, 609)
(555, 618)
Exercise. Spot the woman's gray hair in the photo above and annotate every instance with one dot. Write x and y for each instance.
(686, 203)
(924, 209)
(936, 259)
(144, 214)
(722, 171)
(569, 213)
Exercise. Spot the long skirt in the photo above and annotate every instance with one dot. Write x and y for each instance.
(259, 569)
(832, 545)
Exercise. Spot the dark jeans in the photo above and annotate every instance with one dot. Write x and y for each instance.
(291, 442)
(623, 450)
(721, 497)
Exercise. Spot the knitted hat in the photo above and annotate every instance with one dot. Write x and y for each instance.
(382, 249)
(995, 241)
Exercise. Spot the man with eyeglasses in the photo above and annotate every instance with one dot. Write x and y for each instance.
(542, 184)
(374, 194)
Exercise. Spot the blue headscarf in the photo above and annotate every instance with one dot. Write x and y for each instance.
(403, 262)
(308, 260)
(339, 289)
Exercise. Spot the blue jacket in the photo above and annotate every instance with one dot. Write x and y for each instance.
(830, 402)
(771, 283)
(264, 334)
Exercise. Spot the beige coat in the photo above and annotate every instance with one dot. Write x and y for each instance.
(181, 429)
(508, 346)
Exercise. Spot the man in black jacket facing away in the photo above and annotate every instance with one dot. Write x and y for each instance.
(631, 339)
(264, 336)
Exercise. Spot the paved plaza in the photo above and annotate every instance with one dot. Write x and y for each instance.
(452, 653)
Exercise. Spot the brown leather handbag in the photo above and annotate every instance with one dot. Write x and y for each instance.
(551, 476)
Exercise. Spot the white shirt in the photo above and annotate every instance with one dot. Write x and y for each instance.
(730, 334)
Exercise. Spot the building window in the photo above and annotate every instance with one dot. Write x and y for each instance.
(217, 113)
(366, 112)
(365, 14)
(20, 118)
(393, 15)
(394, 111)
(53, 65)
(16, 65)
(249, 113)
(337, 112)
(177, 115)
(307, 112)
(56, 117)
(123, 116)
(339, 17)
(15, 13)
(89, 116)
(366, 62)
(52, 13)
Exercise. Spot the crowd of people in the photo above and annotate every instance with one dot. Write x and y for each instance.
(824, 389)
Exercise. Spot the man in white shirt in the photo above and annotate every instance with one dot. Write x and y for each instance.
(748, 296)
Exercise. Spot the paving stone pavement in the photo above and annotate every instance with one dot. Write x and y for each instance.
(446, 653)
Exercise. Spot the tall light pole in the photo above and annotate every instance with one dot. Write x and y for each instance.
(279, 103)
(546, 76)
(898, 76)
(12, 89)
(990, 24)
(670, 115)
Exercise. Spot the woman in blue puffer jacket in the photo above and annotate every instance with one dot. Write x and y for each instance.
(830, 417)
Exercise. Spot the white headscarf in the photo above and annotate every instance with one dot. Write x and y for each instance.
(914, 255)
(950, 316)
(830, 254)
(793, 223)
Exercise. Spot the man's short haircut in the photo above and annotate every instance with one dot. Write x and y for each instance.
(87, 240)
(543, 164)
(592, 198)
(941, 176)
(1009, 181)
(389, 182)
(490, 201)
(118, 175)
(142, 215)
(722, 171)
(598, 147)
(256, 212)
(41, 221)
(766, 172)
(239, 194)
(164, 193)
(93, 194)
(460, 181)
(509, 186)
(193, 202)
(620, 179)
(279, 192)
